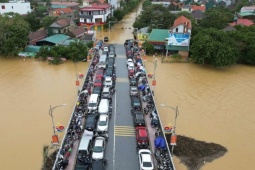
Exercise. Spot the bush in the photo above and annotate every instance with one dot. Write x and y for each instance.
(177, 57)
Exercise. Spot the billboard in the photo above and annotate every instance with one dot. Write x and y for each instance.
(178, 39)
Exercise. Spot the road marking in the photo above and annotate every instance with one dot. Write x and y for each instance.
(113, 165)
(124, 131)
(122, 80)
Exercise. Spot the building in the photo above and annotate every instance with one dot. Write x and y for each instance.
(248, 9)
(17, 6)
(60, 26)
(196, 7)
(36, 36)
(72, 5)
(246, 15)
(95, 15)
(242, 22)
(62, 13)
(77, 32)
(56, 39)
(178, 40)
(197, 15)
(158, 37)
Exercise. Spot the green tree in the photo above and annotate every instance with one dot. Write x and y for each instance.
(214, 47)
(90, 44)
(14, 32)
(77, 51)
(217, 18)
(146, 3)
(43, 53)
(149, 48)
(119, 14)
(33, 21)
(47, 21)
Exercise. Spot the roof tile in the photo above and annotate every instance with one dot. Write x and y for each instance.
(245, 22)
(181, 20)
(37, 34)
(195, 7)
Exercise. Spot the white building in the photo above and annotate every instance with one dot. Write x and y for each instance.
(115, 4)
(181, 25)
(17, 6)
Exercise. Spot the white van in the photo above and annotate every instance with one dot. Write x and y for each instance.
(102, 61)
(106, 94)
(103, 107)
(93, 102)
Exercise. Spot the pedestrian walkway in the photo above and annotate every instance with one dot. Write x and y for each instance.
(124, 131)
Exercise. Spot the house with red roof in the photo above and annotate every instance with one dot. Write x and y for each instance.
(181, 25)
(77, 32)
(94, 14)
(37, 36)
(61, 26)
(178, 40)
(242, 22)
(196, 7)
(62, 13)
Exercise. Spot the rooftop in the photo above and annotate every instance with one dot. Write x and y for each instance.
(56, 39)
(244, 22)
(181, 20)
(158, 35)
(195, 7)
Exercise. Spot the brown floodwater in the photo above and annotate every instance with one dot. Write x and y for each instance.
(28, 88)
(216, 105)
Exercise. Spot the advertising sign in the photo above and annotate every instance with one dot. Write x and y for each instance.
(178, 39)
(173, 140)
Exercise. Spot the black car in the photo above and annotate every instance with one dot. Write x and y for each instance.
(99, 164)
(133, 82)
(108, 72)
(110, 66)
(138, 118)
(111, 60)
(112, 54)
(97, 90)
(106, 39)
(91, 122)
(136, 103)
(82, 163)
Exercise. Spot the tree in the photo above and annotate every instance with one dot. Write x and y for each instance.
(146, 3)
(77, 51)
(43, 53)
(14, 32)
(217, 18)
(119, 14)
(47, 21)
(33, 21)
(149, 49)
(90, 44)
(214, 47)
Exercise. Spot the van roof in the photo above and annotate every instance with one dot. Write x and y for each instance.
(85, 142)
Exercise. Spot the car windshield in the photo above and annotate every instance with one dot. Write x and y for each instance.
(147, 164)
(92, 104)
(98, 81)
(97, 149)
(102, 123)
(133, 90)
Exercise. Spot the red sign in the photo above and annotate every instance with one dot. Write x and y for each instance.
(77, 83)
(55, 139)
(153, 84)
(173, 139)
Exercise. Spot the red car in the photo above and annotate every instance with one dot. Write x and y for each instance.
(98, 82)
(131, 73)
(100, 74)
(142, 137)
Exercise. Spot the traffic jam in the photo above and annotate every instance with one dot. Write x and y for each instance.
(143, 106)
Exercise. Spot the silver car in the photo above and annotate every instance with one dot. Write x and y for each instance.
(98, 149)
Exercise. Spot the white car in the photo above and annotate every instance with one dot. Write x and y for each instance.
(145, 159)
(108, 81)
(129, 61)
(102, 124)
(131, 66)
(106, 49)
(98, 149)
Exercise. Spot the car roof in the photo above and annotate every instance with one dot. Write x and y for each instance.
(133, 87)
(103, 117)
(99, 141)
(108, 78)
(146, 157)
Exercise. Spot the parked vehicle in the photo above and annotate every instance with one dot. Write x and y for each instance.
(100, 73)
(106, 49)
(99, 148)
(133, 82)
(129, 60)
(93, 102)
(136, 103)
(97, 90)
(145, 159)
(112, 54)
(98, 82)
(104, 106)
(108, 82)
(102, 124)
(106, 39)
(131, 66)
(102, 61)
(108, 72)
(91, 121)
(138, 118)
(106, 94)
(142, 137)
(99, 164)
(133, 91)
(131, 73)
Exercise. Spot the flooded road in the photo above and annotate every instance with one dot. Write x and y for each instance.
(216, 105)
(28, 88)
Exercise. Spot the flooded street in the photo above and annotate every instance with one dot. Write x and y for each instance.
(216, 105)
(28, 88)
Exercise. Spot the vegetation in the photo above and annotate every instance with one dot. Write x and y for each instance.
(14, 32)
(48, 158)
(148, 47)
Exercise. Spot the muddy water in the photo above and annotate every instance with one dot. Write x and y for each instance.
(216, 105)
(27, 89)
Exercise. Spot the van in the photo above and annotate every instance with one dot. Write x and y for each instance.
(106, 94)
(93, 102)
(102, 61)
(84, 150)
(103, 106)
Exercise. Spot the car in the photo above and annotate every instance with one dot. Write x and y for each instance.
(131, 66)
(105, 53)
(112, 54)
(142, 137)
(129, 61)
(110, 65)
(100, 73)
(133, 82)
(138, 118)
(145, 159)
(108, 81)
(106, 49)
(106, 93)
(136, 103)
(131, 73)
(129, 56)
(91, 121)
(102, 124)
(98, 82)
(108, 72)
(98, 164)
(133, 91)
(99, 148)
(106, 39)
(111, 60)
(97, 90)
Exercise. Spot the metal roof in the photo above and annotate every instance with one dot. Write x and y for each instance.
(56, 39)
(158, 35)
